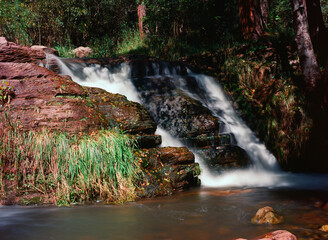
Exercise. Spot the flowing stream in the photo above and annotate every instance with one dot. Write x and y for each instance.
(202, 213)
(264, 172)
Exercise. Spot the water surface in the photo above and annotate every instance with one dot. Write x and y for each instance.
(197, 214)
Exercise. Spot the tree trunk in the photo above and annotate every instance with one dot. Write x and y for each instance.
(306, 54)
(316, 150)
(253, 16)
(317, 29)
(141, 16)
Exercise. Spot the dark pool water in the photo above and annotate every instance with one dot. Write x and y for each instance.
(196, 214)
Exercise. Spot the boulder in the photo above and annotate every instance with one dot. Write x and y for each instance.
(174, 111)
(224, 157)
(166, 170)
(82, 52)
(276, 235)
(267, 215)
(117, 110)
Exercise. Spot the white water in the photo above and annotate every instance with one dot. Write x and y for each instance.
(263, 173)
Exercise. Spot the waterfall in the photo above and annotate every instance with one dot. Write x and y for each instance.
(264, 172)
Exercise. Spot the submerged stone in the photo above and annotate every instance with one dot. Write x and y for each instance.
(267, 215)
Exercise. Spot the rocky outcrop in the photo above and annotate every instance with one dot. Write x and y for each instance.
(33, 98)
(44, 99)
(12, 52)
(267, 215)
(172, 108)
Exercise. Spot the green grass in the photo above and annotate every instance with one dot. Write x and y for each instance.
(69, 169)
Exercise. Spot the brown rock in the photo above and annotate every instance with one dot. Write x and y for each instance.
(82, 52)
(131, 117)
(176, 156)
(163, 173)
(324, 228)
(267, 215)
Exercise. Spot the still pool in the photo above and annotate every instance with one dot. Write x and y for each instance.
(196, 214)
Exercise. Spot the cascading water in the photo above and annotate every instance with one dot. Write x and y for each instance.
(263, 172)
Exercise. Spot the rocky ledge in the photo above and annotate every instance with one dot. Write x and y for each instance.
(33, 98)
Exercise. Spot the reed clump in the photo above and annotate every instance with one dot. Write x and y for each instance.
(68, 169)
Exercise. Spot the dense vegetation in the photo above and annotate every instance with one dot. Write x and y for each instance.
(257, 64)
(68, 169)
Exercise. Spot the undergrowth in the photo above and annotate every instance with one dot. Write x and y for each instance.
(68, 169)
(268, 99)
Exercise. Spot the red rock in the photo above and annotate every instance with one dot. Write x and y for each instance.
(12, 70)
(12, 52)
(44, 99)
(277, 235)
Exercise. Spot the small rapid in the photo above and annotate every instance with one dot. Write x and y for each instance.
(264, 171)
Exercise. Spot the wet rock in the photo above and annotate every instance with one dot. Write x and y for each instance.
(276, 235)
(166, 170)
(267, 215)
(82, 52)
(224, 157)
(117, 110)
(173, 110)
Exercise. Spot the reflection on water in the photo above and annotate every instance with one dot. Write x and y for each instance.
(197, 214)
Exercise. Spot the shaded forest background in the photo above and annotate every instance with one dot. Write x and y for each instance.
(254, 48)
(173, 28)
